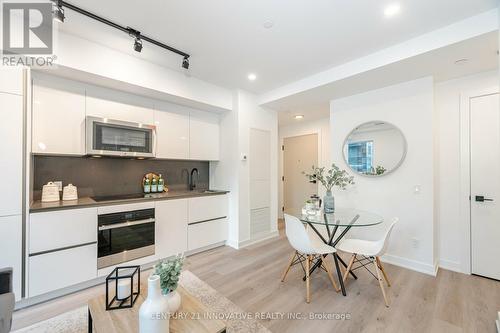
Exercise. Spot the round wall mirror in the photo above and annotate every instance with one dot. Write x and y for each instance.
(375, 148)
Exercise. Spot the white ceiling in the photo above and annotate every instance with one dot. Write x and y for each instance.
(227, 40)
(481, 53)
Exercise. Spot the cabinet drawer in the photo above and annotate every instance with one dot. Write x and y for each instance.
(206, 233)
(207, 208)
(59, 229)
(61, 269)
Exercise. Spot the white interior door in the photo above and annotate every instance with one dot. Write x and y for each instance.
(485, 185)
(300, 154)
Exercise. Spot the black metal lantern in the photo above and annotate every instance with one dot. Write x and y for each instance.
(127, 287)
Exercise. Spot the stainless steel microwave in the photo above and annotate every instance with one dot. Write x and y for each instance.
(119, 138)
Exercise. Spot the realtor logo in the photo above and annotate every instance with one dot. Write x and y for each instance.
(27, 28)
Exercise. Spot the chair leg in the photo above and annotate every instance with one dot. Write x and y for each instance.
(379, 262)
(308, 296)
(349, 266)
(381, 283)
(325, 265)
(288, 267)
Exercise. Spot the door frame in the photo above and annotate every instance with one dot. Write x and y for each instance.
(281, 188)
(465, 176)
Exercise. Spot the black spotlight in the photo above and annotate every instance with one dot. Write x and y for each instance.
(138, 45)
(58, 11)
(185, 63)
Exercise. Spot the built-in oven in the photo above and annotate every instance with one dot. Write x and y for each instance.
(119, 138)
(124, 236)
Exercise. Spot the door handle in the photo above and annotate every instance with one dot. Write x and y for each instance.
(481, 198)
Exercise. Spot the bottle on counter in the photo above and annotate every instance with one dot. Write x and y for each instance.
(161, 184)
(147, 185)
(154, 185)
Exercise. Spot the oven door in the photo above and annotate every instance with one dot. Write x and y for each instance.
(119, 138)
(122, 242)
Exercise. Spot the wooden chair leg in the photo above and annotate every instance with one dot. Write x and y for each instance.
(349, 266)
(325, 265)
(383, 271)
(381, 283)
(308, 296)
(288, 267)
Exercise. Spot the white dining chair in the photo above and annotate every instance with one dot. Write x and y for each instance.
(306, 250)
(371, 251)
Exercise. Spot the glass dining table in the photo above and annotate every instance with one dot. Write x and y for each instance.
(326, 226)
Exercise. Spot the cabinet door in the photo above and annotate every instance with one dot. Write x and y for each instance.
(61, 269)
(171, 227)
(172, 135)
(58, 117)
(11, 249)
(204, 136)
(11, 152)
(206, 233)
(11, 80)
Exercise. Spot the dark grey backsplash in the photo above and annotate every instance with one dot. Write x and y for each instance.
(112, 176)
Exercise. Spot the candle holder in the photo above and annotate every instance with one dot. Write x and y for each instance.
(126, 291)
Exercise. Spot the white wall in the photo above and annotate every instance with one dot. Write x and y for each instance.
(409, 106)
(318, 126)
(451, 231)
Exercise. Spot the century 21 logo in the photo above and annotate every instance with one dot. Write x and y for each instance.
(27, 28)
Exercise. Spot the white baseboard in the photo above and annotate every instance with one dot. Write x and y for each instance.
(450, 265)
(414, 265)
(260, 238)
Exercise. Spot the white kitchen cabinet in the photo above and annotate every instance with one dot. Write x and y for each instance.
(172, 135)
(206, 233)
(58, 117)
(171, 227)
(11, 150)
(61, 269)
(59, 229)
(207, 208)
(204, 136)
(11, 249)
(11, 80)
(116, 105)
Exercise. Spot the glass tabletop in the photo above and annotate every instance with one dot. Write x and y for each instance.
(342, 217)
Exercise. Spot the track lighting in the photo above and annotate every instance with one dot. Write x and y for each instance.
(138, 45)
(137, 39)
(185, 62)
(58, 11)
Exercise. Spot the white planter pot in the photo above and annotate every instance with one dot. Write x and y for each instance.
(154, 314)
(174, 301)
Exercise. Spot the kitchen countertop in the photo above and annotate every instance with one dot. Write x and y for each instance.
(38, 206)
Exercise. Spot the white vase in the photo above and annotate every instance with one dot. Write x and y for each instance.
(154, 314)
(174, 301)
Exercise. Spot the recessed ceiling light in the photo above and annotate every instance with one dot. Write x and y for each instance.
(392, 10)
(299, 116)
(268, 24)
(252, 77)
(460, 62)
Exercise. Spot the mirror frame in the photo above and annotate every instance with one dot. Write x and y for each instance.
(403, 157)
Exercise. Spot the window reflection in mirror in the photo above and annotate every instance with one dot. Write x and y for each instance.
(375, 148)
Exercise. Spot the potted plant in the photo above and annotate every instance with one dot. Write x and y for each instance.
(330, 178)
(169, 271)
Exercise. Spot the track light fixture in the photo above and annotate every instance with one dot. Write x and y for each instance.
(185, 62)
(58, 13)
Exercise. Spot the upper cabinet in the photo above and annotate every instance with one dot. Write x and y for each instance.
(204, 136)
(116, 105)
(172, 136)
(58, 117)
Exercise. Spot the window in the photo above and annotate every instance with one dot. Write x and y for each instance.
(360, 156)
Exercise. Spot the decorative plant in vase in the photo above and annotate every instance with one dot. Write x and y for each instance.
(169, 271)
(330, 178)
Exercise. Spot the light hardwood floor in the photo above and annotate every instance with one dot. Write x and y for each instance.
(250, 277)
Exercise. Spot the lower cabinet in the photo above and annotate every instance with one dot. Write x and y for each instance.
(206, 233)
(171, 227)
(61, 269)
(11, 239)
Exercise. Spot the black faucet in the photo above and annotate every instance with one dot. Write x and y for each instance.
(192, 183)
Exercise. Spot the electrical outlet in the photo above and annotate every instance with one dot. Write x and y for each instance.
(59, 184)
(415, 242)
